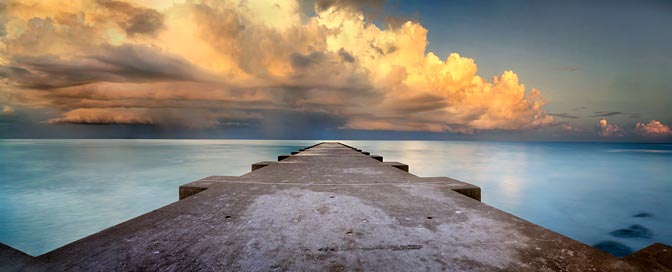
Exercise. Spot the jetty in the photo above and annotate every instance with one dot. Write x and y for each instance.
(330, 207)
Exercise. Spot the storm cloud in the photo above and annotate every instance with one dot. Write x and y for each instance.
(210, 63)
(134, 20)
(124, 63)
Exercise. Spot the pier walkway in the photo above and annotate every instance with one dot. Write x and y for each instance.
(330, 207)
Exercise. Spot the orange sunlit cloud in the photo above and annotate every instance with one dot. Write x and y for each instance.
(121, 63)
(653, 128)
(608, 130)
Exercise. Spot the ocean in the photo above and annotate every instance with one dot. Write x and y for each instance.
(616, 196)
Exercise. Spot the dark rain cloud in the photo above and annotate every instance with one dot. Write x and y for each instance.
(125, 63)
(606, 114)
(137, 20)
(564, 115)
(303, 61)
(420, 103)
(345, 56)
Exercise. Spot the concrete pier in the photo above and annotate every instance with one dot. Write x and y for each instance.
(330, 207)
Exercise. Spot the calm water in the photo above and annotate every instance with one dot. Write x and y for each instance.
(53, 192)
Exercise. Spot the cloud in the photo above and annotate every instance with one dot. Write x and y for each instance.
(124, 63)
(134, 20)
(104, 116)
(209, 63)
(188, 118)
(345, 56)
(300, 61)
(606, 114)
(652, 129)
(563, 115)
(323, 5)
(7, 110)
(570, 128)
(609, 130)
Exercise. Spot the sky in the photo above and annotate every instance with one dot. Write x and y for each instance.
(337, 69)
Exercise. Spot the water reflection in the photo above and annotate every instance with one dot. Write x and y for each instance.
(53, 192)
(583, 190)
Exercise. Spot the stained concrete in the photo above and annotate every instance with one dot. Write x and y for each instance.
(330, 207)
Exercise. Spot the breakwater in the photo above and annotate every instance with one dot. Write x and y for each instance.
(330, 207)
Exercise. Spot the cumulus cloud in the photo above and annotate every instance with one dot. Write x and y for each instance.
(570, 128)
(134, 20)
(609, 130)
(215, 62)
(7, 110)
(322, 5)
(652, 129)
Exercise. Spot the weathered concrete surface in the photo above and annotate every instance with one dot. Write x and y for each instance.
(377, 157)
(200, 185)
(656, 257)
(262, 164)
(464, 188)
(330, 208)
(12, 259)
(398, 165)
(282, 157)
